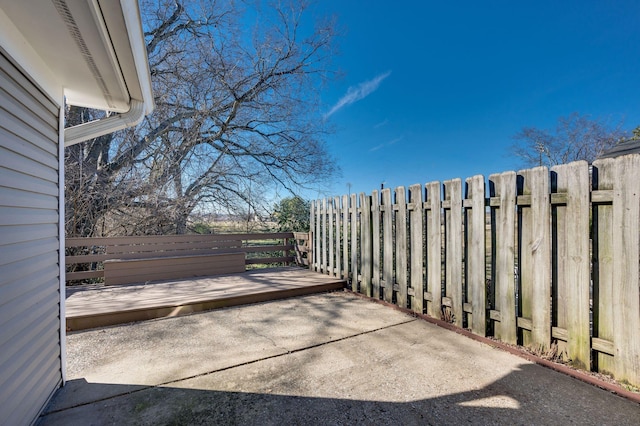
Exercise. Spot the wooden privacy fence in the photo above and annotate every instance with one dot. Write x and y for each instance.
(548, 259)
(86, 257)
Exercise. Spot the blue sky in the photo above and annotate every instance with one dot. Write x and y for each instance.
(436, 90)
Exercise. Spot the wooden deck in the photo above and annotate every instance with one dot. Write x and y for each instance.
(90, 306)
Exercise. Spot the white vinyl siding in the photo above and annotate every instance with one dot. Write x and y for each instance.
(30, 358)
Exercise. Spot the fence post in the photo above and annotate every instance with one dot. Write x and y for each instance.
(416, 223)
(475, 247)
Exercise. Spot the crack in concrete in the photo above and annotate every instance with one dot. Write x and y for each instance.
(218, 370)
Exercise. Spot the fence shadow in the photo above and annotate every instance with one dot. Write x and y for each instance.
(518, 398)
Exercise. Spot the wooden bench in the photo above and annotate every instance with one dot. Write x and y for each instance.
(153, 258)
(127, 271)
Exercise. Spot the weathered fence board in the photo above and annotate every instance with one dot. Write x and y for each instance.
(375, 243)
(453, 248)
(387, 245)
(573, 263)
(534, 258)
(626, 247)
(433, 292)
(353, 225)
(400, 224)
(604, 309)
(503, 190)
(557, 263)
(365, 244)
(475, 270)
(345, 237)
(416, 225)
(338, 243)
(330, 222)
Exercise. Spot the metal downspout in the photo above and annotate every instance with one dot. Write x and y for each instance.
(93, 129)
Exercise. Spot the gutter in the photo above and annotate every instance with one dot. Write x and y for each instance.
(93, 129)
(138, 109)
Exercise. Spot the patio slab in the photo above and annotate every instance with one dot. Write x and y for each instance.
(322, 359)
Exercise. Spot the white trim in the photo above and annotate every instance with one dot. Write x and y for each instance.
(23, 54)
(132, 19)
(61, 253)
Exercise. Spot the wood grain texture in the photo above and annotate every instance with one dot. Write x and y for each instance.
(535, 257)
(453, 247)
(626, 270)
(400, 217)
(387, 245)
(503, 187)
(365, 245)
(475, 254)
(416, 226)
(353, 219)
(375, 245)
(604, 310)
(573, 277)
(434, 249)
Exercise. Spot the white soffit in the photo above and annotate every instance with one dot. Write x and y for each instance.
(89, 46)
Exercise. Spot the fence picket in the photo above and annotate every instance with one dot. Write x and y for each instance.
(573, 262)
(331, 221)
(534, 258)
(503, 188)
(453, 247)
(626, 246)
(400, 208)
(345, 236)
(387, 245)
(475, 268)
(318, 252)
(365, 244)
(323, 243)
(375, 243)
(354, 242)
(338, 219)
(433, 292)
(416, 224)
(313, 262)
(604, 309)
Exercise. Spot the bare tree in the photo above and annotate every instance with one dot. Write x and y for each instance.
(236, 115)
(576, 137)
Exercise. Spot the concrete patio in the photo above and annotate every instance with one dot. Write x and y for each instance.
(331, 358)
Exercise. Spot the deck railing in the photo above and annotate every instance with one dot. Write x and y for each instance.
(549, 259)
(86, 256)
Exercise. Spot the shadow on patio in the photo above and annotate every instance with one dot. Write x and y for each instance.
(322, 359)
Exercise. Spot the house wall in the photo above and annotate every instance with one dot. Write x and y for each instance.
(30, 335)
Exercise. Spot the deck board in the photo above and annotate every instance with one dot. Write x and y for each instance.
(90, 306)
